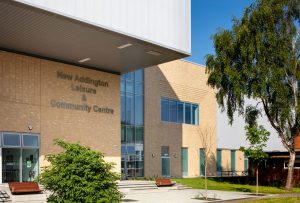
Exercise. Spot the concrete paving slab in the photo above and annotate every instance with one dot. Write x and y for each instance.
(181, 196)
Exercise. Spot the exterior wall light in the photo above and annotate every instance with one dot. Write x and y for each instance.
(30, 127)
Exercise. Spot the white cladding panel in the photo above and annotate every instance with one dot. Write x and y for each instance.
(163, 22)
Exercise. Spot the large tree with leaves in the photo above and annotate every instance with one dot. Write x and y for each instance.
(258, 58)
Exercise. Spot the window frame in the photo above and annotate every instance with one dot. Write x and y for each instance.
(178, 102)
(11, 146)
(32, 135)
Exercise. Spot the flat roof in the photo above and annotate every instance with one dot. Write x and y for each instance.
(33, 31)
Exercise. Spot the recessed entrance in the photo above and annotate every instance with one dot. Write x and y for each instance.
(20, 157)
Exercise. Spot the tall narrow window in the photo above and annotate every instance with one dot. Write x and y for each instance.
(246, 167)
(173, 111)
(139, 135)
(139, 110)
(139, 75)
(164, 110)
(184, 161)
(219, 160)
(132, 122)
(180, 112)
(123, 115)
(195, 114)
(123, 134)
(232, 160)
(202, 162)
(187, 109)
(130, 134)
(130, 109)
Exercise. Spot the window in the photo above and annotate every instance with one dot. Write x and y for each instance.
(129, 109)
(123, 136)
(139, 75)
(129, 86)
(164, 110)
(195, 114)
(179, 112)
(130, 76)
(122, 85)
(187, 109)
(139, 88)
(123, 118)
(173, 111)
(165, 151)
(296, 165)
(30, 141)
(139, 110)
(184, 161)
(139, 135)
(11, 139)
(130, 134)
(132, 122)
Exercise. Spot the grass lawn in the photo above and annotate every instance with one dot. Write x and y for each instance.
(276, 200)
(198, 183)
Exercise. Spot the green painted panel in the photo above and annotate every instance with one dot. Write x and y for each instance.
(219, 160)
(246, 167)
(232, 159)
(165, 167)
(202, 162)
(184, 161)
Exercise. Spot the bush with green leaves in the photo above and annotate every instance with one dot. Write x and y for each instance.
(79, 174)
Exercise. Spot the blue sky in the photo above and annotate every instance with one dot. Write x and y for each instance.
(207, 17)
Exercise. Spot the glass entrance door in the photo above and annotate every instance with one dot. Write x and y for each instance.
(29, 164)
(20, 156)
(11, 165)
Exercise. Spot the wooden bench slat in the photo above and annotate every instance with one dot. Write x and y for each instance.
(24, 187)
(164, 182)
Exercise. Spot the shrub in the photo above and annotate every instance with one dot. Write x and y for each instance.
(79, 174)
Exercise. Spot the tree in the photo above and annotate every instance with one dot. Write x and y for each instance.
(259, 59)
(79, 174)
(257, 137)
(207, 138)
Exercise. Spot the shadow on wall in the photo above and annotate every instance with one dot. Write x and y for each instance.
(163, 139)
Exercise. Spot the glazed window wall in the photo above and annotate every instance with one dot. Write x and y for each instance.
(179, 112)
(20, 156)
(132, 124)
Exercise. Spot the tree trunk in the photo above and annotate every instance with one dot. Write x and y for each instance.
(289, 179)
(205, 182)
(256, 181)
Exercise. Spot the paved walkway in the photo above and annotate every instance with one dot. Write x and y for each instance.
(275, 196)
(34, 198)
(160, 195)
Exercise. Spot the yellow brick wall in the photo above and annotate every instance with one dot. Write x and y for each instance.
(27, 87)
(183, 81)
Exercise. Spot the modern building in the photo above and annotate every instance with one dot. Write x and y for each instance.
(60, 66)
(168, 118)
(106, 74)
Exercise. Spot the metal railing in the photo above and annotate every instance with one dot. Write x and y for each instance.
(232, 173)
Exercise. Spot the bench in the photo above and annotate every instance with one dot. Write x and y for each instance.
(24, 187)
(164, 182)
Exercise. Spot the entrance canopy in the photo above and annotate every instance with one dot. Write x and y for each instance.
(39, 32)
